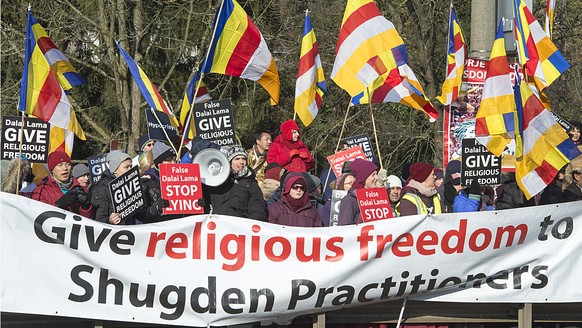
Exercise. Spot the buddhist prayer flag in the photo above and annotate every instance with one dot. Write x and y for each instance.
(371, 61)
(238, 49)
(542, 61)
(310, 86)
(147, 88)
(455, 61)
(544, 146)
(495, 122)
(551, 5)
(45, 68)
(61, 140)
(189, 100)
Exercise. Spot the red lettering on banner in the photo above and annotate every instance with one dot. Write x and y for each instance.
(172, 244)
(424, 241)
(404, 240)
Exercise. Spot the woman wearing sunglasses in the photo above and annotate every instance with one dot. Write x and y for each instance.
(294, 207)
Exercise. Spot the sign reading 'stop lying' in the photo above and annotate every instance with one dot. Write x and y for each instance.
(214, 122)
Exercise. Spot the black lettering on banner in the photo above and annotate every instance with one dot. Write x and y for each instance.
(268, 294)
(178, 305)
(536, 273)
(557, 230)
(232, 296)
(104, 283)
(59, 232)
(297, 294)
(210, 292)
(148, 300)
(76, 278)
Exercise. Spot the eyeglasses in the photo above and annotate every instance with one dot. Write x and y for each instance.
(298, 187)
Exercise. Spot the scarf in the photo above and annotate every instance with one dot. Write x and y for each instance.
(428, 192)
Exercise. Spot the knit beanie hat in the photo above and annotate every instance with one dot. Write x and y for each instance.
(143, 140)
(115, 158)
(57, 157)
(393, 181)
(80, 170)
(361, 169)
(453, 172)
(235, 151)
(287, 128)
(420, 171)
(273, 171)
(312, 181)
(438, 173)
(161, 151)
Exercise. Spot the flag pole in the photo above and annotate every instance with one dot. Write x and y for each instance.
(337, 146)
(374, 127)
(164, 130)
(190, 118)
(20, 132)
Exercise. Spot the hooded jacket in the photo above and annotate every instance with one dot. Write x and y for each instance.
(281, 212)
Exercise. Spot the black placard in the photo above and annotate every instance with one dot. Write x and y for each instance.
(155, 130)
(363, 140)
(479, 163)
(126, 193)
(214, 122)
(97, 165)
(35, 138)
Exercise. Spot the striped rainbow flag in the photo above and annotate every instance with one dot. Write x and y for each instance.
(542, 60)
(41, 94)
(371, 61)
(544, 146)
(455, 61)
(495, 122)
(238, 49)
(310, 86)
(189, 100)
(147, 88)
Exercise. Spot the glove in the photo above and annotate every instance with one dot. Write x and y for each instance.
(382, 178)
(161, 204)
(67, 200)
(83, 199)
(294, 152)
(475, 188)
(304, 155)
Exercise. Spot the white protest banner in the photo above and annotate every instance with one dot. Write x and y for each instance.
(221, 270)
(214, 122)
(374, 204)
(126, 193)
(338, 159)
(180, 185)
(97, 164)
(479, 163)
(34, 136)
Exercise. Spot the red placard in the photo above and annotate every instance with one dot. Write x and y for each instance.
(336, 161)
(180, 185)
(374, 204)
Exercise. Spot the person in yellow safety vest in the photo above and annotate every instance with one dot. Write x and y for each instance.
(420, 196)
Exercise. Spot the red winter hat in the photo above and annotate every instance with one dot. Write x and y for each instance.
(361, 169)
(287, 128)
(420, 171)
(57, 157)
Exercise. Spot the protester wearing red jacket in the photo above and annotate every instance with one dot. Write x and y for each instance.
(290, 152)
(61, 189)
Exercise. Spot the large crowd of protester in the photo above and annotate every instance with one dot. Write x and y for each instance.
(273, 182)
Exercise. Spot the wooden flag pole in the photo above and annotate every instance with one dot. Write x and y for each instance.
(336, 147)
(374, 127)
(165, 133)
(190, 118)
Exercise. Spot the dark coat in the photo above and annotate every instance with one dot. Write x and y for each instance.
(279, 153)
(281, 213)
(513, 197)
(48, 192)
(240, 197)
(349, 209)
(572, 193)
(101, 199)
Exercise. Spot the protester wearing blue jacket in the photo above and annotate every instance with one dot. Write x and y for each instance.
(469, 200)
